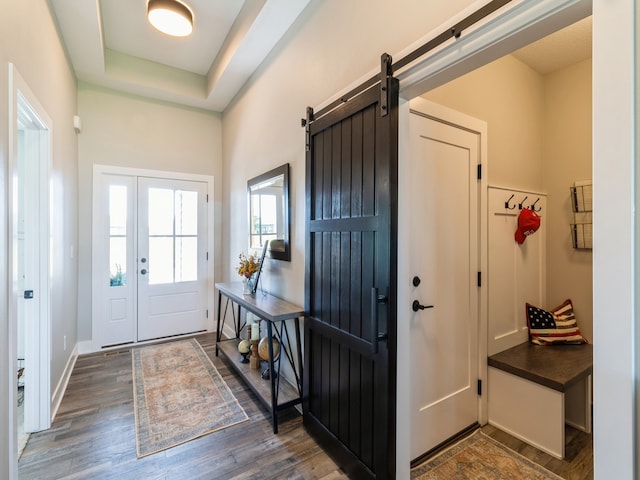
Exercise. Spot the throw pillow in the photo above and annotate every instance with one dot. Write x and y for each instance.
(558, 326)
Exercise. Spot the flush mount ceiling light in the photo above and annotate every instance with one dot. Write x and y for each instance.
(170, 17)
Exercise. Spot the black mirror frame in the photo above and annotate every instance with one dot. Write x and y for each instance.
(281, 170)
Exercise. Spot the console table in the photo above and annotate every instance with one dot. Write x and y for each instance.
(276, 395)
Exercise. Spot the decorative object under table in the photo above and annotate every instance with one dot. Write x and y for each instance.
(275, 393)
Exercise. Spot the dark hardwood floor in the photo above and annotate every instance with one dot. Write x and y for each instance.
(93, 437)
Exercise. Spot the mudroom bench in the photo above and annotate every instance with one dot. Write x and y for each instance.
(534, 390)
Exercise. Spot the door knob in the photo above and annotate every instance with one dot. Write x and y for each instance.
(415, 306)
(143, 260)
(143, 271)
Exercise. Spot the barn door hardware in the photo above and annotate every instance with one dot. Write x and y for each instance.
(376, 335)
(306, 123)
(386, 73)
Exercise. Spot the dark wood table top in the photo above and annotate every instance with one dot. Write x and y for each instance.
(264, 305)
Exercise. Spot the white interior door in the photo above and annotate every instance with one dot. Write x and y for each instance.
(153, 282)
(171, 257)
(444, 247)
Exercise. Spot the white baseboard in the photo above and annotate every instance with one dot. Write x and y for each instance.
(56, 398)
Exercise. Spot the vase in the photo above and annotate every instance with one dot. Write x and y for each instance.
(246, 286)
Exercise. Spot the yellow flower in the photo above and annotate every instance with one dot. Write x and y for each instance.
(248, 265)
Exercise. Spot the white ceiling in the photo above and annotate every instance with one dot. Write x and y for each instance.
(111, 44)
(560, 49)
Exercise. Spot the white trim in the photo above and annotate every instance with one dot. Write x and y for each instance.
(615, 246)
(495, 36)
(58, 394)
(38, 348)
(98, 171)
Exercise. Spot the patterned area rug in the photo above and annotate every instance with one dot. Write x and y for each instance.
(178, 396)
(480, 457)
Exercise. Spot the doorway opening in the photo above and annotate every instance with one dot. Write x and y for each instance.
(558, 159)
(30, 244)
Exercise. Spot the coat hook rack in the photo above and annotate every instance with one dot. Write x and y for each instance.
(506, 204)
(522, 203)
(533, 206)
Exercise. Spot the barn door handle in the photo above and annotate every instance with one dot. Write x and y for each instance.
(376, 336)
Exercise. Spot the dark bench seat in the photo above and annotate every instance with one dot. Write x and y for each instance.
(534, 390)
(556, 367)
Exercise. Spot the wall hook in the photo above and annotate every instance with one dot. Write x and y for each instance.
(522, 203)
(533, 206)
(506, 204)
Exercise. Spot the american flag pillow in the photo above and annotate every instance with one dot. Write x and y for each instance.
(557, 326)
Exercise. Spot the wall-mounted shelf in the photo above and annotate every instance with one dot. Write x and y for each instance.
(582, 207)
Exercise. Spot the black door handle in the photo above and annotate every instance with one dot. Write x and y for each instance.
(376, 336)
(415, 306)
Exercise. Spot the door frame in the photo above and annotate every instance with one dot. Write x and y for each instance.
(98, 172)
(37, 347)
(405, 217)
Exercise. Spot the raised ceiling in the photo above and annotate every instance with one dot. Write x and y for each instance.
(111, 44)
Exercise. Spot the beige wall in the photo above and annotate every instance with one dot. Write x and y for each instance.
(312, 64)
(539, 139)
(129, 131)
(508, 95)
(40, 60)
(567, 158)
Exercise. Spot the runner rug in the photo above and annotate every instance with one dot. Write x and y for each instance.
(480, 457)
(178, 396)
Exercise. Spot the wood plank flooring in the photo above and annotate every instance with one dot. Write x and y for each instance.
(93, 437)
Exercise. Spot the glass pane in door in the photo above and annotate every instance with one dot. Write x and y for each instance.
(173, 236)
(117, 235)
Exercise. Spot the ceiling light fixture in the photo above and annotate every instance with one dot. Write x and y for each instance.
(170, 17)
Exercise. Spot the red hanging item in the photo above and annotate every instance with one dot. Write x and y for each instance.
(528, 223)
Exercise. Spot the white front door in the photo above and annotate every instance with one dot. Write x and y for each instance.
(171, 257)
(151, 265)
(444, 195)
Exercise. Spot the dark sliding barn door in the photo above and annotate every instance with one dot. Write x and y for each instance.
(350, 332)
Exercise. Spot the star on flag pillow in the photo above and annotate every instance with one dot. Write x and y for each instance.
(554, 327)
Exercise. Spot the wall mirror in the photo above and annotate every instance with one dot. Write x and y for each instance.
(269, 213)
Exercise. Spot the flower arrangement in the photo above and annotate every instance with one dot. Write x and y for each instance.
(248, 265)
